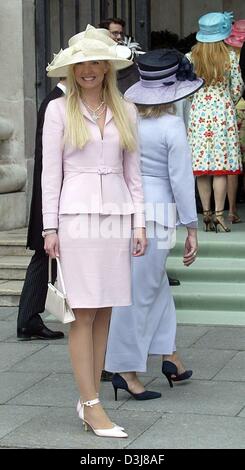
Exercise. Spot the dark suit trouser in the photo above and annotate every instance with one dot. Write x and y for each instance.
(34, 292)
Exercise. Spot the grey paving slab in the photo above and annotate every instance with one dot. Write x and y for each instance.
(12, 353)
(8, 313)
(223, 338)
(60, 390)
(234, 369)
(11, 417)
(56, 390)
(242, 413)
(6, 329)
(205, 364)
(181, 431)
(187, 335)
(13, 383)
(203, 397)
(61, 429)
(53, 358)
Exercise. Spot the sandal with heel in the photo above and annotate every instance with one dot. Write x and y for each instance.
(219, 222)
(115, 431)
(208, 225)
(234, 218)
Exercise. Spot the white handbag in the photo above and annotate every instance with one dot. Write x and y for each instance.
(56, 301)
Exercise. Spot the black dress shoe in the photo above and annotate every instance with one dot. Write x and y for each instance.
(173, 282)
(106, 376)
(40, 332)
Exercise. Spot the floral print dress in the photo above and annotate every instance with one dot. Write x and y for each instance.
(212, 129)
(240, 108)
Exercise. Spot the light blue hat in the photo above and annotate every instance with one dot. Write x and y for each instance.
(214, 27)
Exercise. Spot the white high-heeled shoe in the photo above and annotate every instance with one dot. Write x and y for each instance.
(115, 431)
(79, 406)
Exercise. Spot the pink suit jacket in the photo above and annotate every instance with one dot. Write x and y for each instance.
(100, 178)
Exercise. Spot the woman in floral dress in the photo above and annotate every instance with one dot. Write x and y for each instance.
(213, 133)
(235, 42)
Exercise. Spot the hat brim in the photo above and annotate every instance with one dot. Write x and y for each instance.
(212, 37)
(234, 42)
(62, 70)
(140, 94)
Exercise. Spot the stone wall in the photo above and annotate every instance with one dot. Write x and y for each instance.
(17, 108)
(181, 16)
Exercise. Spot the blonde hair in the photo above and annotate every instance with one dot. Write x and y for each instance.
(77, 133)
(210, 61)
(155, 111)
(235, 49)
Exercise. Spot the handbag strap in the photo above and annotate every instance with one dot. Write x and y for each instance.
(60, 273)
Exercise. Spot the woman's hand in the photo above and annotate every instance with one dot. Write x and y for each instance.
(51, 245)
(139, 242)
(191, 247)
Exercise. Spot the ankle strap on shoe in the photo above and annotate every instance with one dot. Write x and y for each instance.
(91, 403)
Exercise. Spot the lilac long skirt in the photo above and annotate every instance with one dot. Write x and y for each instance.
(95, 256)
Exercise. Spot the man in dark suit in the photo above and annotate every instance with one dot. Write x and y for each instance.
(34, 292)
(129, 76)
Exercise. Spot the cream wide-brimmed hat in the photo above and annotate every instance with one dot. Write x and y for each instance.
(91, 44)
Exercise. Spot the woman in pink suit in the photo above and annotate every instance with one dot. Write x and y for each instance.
(92, 188)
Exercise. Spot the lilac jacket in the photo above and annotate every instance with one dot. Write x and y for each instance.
(100, 178)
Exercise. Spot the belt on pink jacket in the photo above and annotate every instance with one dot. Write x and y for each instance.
(101, 170)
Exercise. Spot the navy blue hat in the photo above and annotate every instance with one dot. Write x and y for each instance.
(166, 76)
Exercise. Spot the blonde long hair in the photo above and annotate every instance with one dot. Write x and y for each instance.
(77, 133)
(210, 61)
(156, 110)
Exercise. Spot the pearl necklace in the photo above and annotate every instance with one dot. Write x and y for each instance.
(96, 113)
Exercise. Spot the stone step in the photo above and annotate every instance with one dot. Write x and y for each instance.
(13, 242)
(13, 267)
(219, 245)
(206, 269)
(10, 293)
(210, 317)
(210, 296)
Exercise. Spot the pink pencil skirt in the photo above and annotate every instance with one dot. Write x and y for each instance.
(95, 257)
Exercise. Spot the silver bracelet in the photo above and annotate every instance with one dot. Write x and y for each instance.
(48, 232)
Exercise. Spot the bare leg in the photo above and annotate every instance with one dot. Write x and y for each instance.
(205, 188)
(232, 184)
(82, 359)
(220, 188)
(100, 334)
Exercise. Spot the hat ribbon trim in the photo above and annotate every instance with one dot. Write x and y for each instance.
(158, 73)
(167, 81)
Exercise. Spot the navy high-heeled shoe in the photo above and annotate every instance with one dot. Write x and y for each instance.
(119, 382)
(169, 369)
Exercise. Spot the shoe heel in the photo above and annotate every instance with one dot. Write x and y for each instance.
(115, 391)
(168, 377)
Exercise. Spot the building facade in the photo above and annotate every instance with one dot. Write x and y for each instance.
(31, 30)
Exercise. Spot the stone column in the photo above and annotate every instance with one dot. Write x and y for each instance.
(18, 109)
(12, 182)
